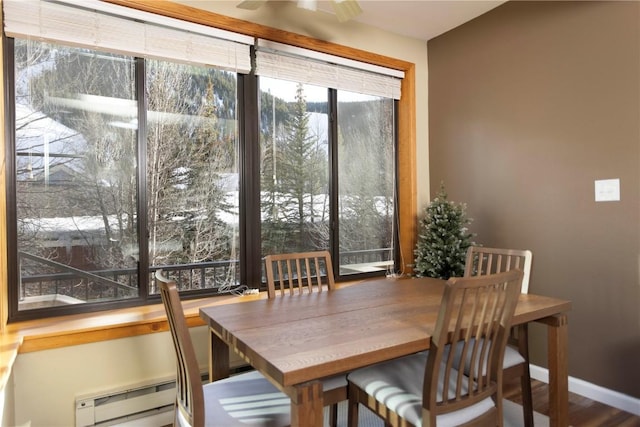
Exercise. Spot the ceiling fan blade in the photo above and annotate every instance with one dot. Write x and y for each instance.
(251, 4)
(346, 9)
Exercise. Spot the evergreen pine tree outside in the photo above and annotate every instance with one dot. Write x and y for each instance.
(443, 239)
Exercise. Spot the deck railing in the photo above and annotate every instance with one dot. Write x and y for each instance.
(103, 285)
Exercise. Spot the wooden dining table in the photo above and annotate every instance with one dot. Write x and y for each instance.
(296, 341)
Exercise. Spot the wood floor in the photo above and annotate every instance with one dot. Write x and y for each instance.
(582, 411)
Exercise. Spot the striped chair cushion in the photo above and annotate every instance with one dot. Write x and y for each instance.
(398, 385)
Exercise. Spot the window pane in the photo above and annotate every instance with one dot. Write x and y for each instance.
(192, 175)
(76, 186)
(366, 182)
(294, 167)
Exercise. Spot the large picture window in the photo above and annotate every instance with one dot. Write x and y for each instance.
(366, 182)
(124, 164)
(294, 168)
(75, 176)
(84, 213)
(192, 175)
(302, 190)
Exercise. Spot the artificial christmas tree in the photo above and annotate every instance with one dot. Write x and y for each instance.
(443, 239)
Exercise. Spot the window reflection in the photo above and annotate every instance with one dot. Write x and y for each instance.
(192, 175)
(295, 181)
(366, 170)
(75, 175)
(294, 167)
(77, 189)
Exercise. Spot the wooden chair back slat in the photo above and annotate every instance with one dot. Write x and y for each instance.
(297, 273)
(481, 261)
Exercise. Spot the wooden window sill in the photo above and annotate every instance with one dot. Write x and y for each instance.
(57, 332)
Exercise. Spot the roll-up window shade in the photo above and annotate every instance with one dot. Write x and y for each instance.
(103, 26)
(301, 65)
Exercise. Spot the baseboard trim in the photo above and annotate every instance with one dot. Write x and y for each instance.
(592, 391)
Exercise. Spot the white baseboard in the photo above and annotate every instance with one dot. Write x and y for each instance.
(592, 391)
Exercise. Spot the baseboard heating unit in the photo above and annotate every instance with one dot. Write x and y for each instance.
(143, 405)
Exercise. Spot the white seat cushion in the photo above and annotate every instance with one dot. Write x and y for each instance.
(512, 356)
(332, 383)
(398, 385)
(246, 399)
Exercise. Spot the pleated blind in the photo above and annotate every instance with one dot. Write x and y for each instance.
(103, 26)
(305, 66)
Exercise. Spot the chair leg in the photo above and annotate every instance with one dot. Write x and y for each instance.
(352, 413)
(333, 415)
(525, 379)
(527, 398)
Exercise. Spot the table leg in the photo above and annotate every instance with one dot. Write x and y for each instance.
(307, 405)
(218, 357)
(557, 338)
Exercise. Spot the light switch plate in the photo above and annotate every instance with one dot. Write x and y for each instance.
(607, 190)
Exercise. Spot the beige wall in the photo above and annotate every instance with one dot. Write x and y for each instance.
(6, 404)
(47, 382)
(529, 104)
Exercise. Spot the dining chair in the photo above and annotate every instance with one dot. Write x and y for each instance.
(240, 400)
(428, 388)
(303, 273)
(481, 261)
(297, 273)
